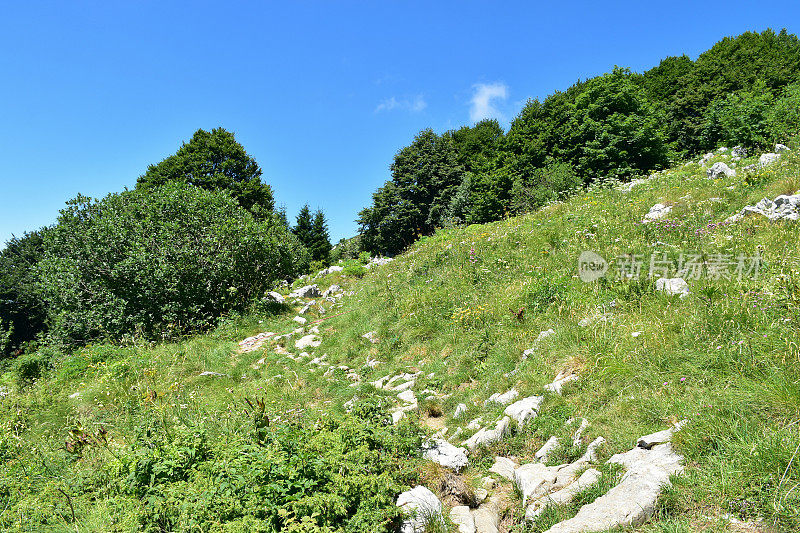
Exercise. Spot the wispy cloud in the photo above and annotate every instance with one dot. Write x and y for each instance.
(481, 105)
(414, 105)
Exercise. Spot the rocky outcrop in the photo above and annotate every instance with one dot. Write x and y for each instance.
(784, 207)
(718, 170)
(309, 291)
(442, 452)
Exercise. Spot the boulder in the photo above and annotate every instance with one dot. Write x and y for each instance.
(564, 496)
(442, 452)
(525, 410)
(329, 270)
(275, 297)
(784, 207)
(505, 398)
(720, 169)
(780, 148)
(300, 320)
(461, 516)
(422, 507)
(330, 290)
(673, 286)
(657, 211)
(504, 467)
(309, 341)
(767, 159)
(309, 291)
(488, 436)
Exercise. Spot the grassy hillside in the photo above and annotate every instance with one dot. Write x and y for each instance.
(124, 438)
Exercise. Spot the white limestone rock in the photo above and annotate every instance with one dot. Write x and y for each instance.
(463, 519)
(504, 467)
(309, 341)
(422, 507)
(309, 291)
(460, 410)
(656, 212)
(544, 451)
(275, 297)
(505, 398)
(718, 170)
(558, 384)
(300, 320)
(525, 410)
(673, 286)
(564, 496)
(442, 452)
(487, 436)
(768, 159)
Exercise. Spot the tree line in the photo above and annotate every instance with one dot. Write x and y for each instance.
(198, 237)
(743, 91)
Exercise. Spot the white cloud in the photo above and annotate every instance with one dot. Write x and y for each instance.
(481, 104)
(415, 104)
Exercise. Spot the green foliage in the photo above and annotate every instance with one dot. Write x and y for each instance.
(740, 118)
(346, 249)
(544, 185)
(354, 268)
(425, 176)
(31, 366)
(158, 262)
(21, 312)
(214, 161)
(784, 115)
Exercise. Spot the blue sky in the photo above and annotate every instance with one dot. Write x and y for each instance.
(322, 94)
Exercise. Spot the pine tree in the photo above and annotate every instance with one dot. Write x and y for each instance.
(320, 247)
(303, 229)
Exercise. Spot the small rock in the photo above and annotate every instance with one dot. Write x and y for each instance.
(657, 211)
(460, 410)
(213, 374)
(275, 297)
(503, 399)
(720, 169)
(780, 148)
(371, 336)
(488, 436)
(524, 410)
(300, 320)
(561, 379)
(461, 516)
(309, 341)
(767, 159)
(673, 286)
(504, 467)
(309, 291)
(544, 451)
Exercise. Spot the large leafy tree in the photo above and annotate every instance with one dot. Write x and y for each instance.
(425, 176)
(214, 161)
(158, 263)
(21, 312)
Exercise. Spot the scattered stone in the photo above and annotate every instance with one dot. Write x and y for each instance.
(660, 437)
(73, 396)
(475, 424)
(487, 482)
(576, 438)
(503, 399)
(329, 270)
(705, 159)
(656, 212)
(275, 297)
(442, 452)
(487, 518)
(213, 374)
(628, 187)
(767, 159)
(780, 148)
(255, 342)
(504, 467)
(739, 151)
(488, 436)
(544, 451)
(635, 334)
(309, 341)
(720, 169)
(309, 291)
(564, 496)
(330, 290)
(524, 410)
(461, 516)
(460, 410)
(409, 404)
(378, 261)
(481, 495)
(673, 286)
(306, 307)
(561, 379)
(632, 502)
(542, 336)
(300, 320)
(371, 336)
(422, 506)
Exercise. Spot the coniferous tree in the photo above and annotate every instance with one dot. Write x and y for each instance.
(320, 248)
(303, 227)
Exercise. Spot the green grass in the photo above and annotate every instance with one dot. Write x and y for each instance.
(726, 358)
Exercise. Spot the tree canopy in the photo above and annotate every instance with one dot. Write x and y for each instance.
(214, 161)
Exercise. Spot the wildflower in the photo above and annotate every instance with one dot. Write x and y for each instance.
(683, 379)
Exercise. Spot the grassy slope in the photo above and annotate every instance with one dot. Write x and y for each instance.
(726, 358)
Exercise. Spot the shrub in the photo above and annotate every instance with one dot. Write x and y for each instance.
(158, 263)
(31, 366)
(354, 268)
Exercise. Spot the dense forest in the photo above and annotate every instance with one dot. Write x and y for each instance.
(199, 236)
(743, 91)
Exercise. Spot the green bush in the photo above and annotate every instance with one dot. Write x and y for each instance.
(354, 268)
(156, 263)
(31, 366)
